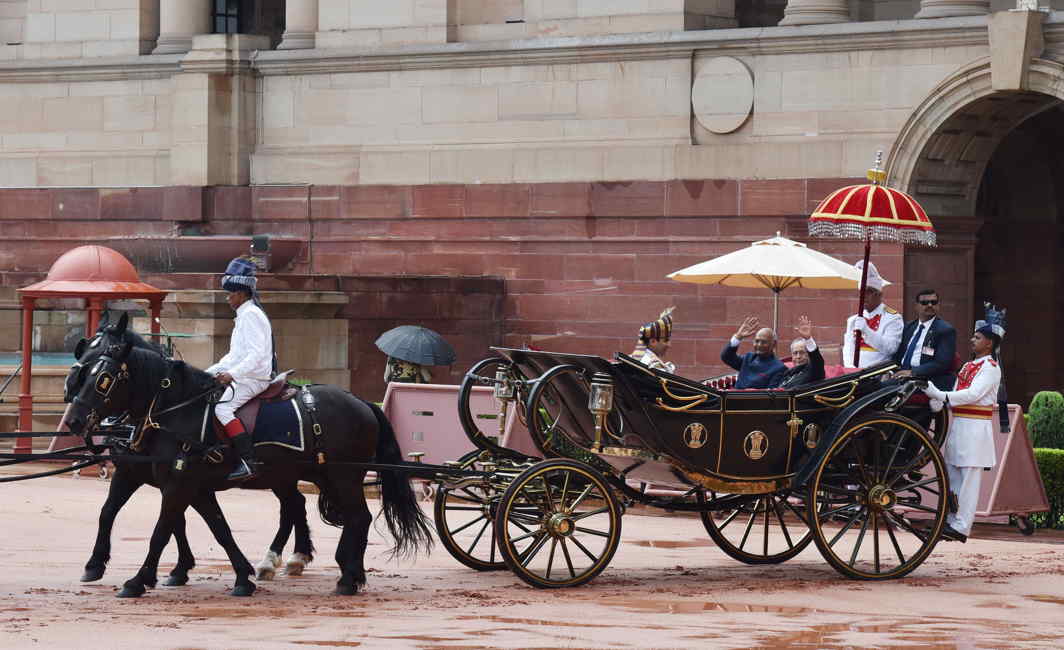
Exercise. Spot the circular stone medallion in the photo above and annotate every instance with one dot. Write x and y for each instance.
(723, 94)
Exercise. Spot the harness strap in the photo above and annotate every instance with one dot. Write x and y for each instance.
(311, 406)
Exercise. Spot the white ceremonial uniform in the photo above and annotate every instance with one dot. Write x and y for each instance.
(879, 341)
(970, 445)
(249, 360)
(651, 360)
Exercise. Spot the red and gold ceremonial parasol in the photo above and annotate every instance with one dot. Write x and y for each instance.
(869, 212)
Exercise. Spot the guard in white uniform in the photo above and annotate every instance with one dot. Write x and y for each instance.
(654, 341)
(248, 366)
(881, 326)
(970, 445)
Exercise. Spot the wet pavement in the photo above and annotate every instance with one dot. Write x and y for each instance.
(666, 587)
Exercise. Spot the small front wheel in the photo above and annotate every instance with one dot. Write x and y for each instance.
(558, 524)
(464, 518)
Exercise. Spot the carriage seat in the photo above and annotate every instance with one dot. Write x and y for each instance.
(279, 390)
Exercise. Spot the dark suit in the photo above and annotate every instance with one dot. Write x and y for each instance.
(937, 367)
(806, 373)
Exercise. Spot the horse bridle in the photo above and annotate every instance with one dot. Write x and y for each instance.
(108, 371)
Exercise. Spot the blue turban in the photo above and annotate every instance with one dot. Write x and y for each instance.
(993, 323)
(240, 276)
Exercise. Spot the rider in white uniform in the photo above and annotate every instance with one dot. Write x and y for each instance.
(970, 445)
(248, 366)
(881, 326)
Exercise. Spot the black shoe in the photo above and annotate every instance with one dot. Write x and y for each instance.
(245, 449)
(951, 535)
(244, 471)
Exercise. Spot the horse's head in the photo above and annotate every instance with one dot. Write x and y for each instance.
(119, 330)
(98, 383)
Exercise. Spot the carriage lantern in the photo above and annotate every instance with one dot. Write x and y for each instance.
(504, 388)
(600, 402)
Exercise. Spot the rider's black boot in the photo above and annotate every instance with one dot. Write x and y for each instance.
(245, 466)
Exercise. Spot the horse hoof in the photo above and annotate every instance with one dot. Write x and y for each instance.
(176, 581)
(243, 590)
(265, 573)
(92, 575)
(296, 563)
(345, 590)
(131, 592)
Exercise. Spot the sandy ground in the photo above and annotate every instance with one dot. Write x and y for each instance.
(667, 586)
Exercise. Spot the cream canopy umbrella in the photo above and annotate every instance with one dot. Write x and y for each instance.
(777, 263)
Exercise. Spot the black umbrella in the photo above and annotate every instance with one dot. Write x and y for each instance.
(416, 344)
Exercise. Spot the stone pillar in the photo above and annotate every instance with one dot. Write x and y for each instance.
(300, 24)
(945, 8)
(816, 12)
(214, 111)
(179, 21)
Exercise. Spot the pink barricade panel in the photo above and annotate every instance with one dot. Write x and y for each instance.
(517, 436)
(1014, 485)
(425, 419)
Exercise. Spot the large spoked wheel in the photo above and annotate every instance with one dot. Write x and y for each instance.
(877, 502)
(760, 529)
(558, 524)
(465, 517)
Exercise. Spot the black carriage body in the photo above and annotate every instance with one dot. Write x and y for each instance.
(671, 431)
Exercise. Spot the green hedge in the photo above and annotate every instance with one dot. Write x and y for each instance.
(1051, 466)
(1046, 421)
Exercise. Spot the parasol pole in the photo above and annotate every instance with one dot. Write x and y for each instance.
(874, 175)
(776, 311)
(857, 338)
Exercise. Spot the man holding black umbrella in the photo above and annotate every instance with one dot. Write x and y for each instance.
(410, 348)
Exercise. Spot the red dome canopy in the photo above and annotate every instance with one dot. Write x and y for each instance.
(92, 271)
(873, 211)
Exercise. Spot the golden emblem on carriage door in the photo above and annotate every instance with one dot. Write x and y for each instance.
(811, 435)
(695, 435)
(755, 445)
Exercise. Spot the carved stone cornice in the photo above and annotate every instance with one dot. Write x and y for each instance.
(159, 66)
(947, 32)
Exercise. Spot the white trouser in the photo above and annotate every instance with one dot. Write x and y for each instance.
(236, 395)
(964, 482)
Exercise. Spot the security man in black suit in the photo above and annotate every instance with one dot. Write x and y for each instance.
(928, 344)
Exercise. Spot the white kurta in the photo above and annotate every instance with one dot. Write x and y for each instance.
(879, 341)
(971, 433)
(970, 444)
(249, 360)
(651, 360)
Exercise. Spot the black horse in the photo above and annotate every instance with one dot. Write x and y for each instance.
(129, 477)
(168, 398)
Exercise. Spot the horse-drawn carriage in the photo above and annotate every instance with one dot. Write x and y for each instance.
(769, 471)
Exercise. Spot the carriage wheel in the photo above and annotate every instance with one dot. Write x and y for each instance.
(939, 427)
(763, 529)
(465, 517)
(483, 433)
(558, 524)
(875, 506)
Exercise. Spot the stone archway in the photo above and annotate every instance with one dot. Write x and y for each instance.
(960, 155)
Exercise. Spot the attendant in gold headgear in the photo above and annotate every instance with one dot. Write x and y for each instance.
(654, 341)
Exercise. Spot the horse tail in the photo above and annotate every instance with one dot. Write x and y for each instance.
(330, 514)
(407, 524)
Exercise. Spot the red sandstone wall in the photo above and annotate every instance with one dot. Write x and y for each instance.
(583, 264)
